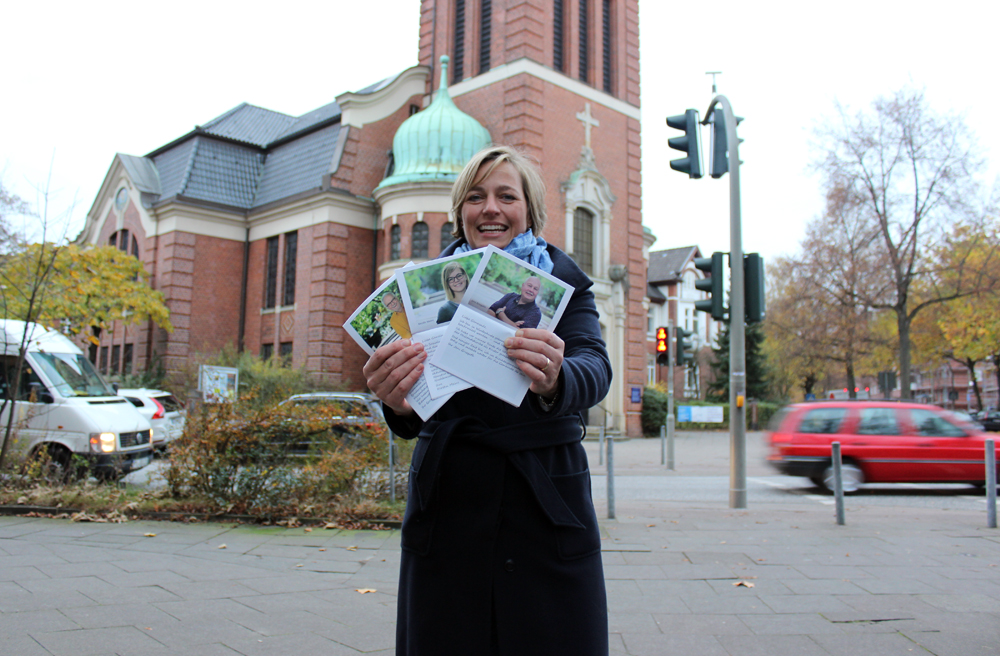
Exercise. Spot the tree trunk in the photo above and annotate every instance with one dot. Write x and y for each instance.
(851, 386)
(971, 365)
(903, 328)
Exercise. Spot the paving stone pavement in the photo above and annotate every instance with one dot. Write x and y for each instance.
(774, 579)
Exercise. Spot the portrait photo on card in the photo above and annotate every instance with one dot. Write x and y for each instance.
(380, 319)
(516, 293)
(433, 291)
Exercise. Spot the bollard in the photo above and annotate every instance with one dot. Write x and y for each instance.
(611, 476)
(600, 449)
(663, 445)
(838, 483)
(991, 484)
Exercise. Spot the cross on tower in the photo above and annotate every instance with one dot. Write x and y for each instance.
(588, 122)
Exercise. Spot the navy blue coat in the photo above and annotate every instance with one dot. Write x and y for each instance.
(501, 552)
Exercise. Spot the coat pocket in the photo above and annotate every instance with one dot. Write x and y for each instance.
(577, 542)
(418, 525)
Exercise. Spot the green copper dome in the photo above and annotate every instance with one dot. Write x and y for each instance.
(436, 143)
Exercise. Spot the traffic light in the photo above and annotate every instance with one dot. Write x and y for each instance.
(753, 287)
(685, 349)
(720, 143)
(662, 346)
(712, 266)
(690, 143)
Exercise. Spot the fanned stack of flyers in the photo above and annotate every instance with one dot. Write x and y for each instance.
(462, 308)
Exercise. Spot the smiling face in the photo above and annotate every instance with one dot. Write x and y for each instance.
(495, 210)
(457, 280)
(530, 289)
(392, 303)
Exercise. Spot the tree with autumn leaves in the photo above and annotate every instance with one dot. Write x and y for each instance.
(907, 231)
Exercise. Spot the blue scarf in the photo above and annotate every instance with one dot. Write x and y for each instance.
(525, 247)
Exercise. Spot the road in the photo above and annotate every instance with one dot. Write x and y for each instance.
(701, 478)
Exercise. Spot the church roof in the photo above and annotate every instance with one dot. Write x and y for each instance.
(244, 158)
(436, 143)
(666, 266)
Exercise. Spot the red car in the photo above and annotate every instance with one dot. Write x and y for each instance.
(880, 442)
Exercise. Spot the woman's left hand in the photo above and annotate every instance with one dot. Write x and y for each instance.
(539, 354)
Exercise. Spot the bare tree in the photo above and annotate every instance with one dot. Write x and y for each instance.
(915, 173)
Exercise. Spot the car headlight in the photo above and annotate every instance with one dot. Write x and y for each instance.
(102, 442)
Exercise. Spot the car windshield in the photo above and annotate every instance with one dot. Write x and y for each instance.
(72, 375)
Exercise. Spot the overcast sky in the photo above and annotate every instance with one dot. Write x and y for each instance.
(86, 80)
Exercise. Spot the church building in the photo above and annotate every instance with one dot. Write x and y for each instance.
(265, 231)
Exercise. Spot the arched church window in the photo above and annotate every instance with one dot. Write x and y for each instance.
(485, 35)
(394, 237)
(583, 239)
(558, 23)
(458, 58)
(124, 241)
(420, 240)
(446, 237)
(584, 42)
(606, 45)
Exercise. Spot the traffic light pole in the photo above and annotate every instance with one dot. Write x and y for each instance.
(670, 396)
(737, 314)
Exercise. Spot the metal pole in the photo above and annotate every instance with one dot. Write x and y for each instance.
(392, 468)
(663, 444)
(600, 449)
(671, 323)
(838, 483)
(991, 484)
(611, 476)
(737, 315)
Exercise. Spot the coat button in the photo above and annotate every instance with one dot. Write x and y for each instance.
(509, 566)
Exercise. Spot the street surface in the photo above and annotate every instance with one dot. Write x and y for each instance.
(913, 571)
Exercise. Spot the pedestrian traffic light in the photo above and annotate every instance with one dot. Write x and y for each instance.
(684, 347)
(690, 143)
(712, 283)
(662, 346)
(753, 287)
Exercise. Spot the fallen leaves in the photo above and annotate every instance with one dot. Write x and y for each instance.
(149, 535)
(743, 584)
(221, 546)
(365, 590)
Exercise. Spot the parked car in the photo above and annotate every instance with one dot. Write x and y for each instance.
(344, 414)
(165, 413)
(881, 442)
(990, 419)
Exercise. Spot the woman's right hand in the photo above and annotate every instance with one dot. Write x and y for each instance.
(392, 370)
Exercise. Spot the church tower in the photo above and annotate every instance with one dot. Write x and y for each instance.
(559, 80)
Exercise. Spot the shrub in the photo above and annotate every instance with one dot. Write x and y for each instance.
(654, 410)
(247, 459)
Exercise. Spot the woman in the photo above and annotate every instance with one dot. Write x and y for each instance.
(501, 548)
(455, 281)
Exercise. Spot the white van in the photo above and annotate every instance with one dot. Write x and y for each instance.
(64, 405)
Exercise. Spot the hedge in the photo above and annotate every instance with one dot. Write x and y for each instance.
(654, 413)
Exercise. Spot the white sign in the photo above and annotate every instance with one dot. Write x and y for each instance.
(701, 414)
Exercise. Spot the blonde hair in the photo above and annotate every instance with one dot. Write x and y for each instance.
(454, 266)
(531, 182)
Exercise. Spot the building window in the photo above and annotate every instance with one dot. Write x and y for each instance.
(583, 239)
(584, 35)
(458, 61)
(285, 353)
(125, 241)
(606, 46)
(104, 360)
(558, 20)
(651, 320)
(420, 238)
(485, 34)
(288, 283)
(271, 273)
(116, 358)
(127, 359)
(687, 318)
(266, 351)
(92, 354)
(650, 370)
(394, 238)
(446, 237)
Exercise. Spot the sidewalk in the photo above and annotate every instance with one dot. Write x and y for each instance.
(776, 579)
